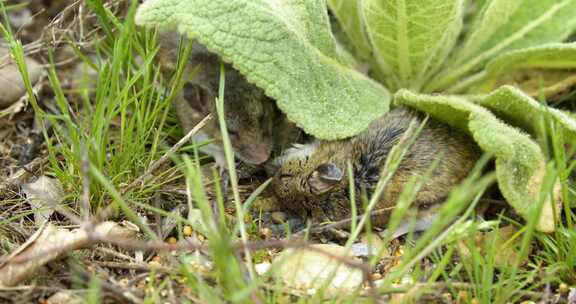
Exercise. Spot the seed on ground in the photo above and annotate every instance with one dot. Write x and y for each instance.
(187, 230)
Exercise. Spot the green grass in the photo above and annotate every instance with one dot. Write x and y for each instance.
(125, 122)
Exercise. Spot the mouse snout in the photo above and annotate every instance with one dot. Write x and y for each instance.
(256, 154)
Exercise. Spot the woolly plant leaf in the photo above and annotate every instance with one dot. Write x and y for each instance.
(553, 85)
(350, 18)
(520, 163)
(491, 16)
(547, 56)
(554, 56)
(286, 48)
(514, 106)
(507, 25)
(411, 38)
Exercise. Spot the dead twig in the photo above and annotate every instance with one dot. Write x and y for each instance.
(50, 243)
(345, 223)
(134, 266)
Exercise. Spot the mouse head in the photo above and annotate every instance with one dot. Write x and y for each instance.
(301, 177)
(249, 115)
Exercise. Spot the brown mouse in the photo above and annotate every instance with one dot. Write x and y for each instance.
(312, 180)
(255, 125)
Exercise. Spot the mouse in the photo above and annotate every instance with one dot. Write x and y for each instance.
(311, 179)
(258, 130)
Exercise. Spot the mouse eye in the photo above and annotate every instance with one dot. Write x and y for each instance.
(286, 175)
(233, 133)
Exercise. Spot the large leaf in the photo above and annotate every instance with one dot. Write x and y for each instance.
(507, 25)
(545, 70)
(547, 56)
(543, 58)
(350, 18)
(553, 85)
(520, 163)
(284, 47)
(513, 106)
(491, 16)
(410, 38)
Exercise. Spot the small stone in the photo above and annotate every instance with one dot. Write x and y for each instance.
(11, 83)
(563, 288)
(187, 231)
(262, 268)
(279, 217)
(398, 298)
(64, 297)
(572, 296)
(309, 270)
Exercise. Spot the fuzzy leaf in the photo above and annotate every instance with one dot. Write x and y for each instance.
(520, 163)
(541, 71)
(548, 56)
(507, 25)
(411, 37)
(536, 67)
(284, 47)
(513, 106)
(553, 85)
(350, 18)
(491, 16)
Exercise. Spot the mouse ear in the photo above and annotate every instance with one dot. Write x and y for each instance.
(324, 178)
(197, 97)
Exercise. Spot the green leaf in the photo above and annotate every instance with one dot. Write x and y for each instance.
(512, 105)
(546, 69)
(411, 38)
(520, 163)
(350, 18)
(554, 56)
(548, 56)
(491, 16)
(507, 25)
(286, 48)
